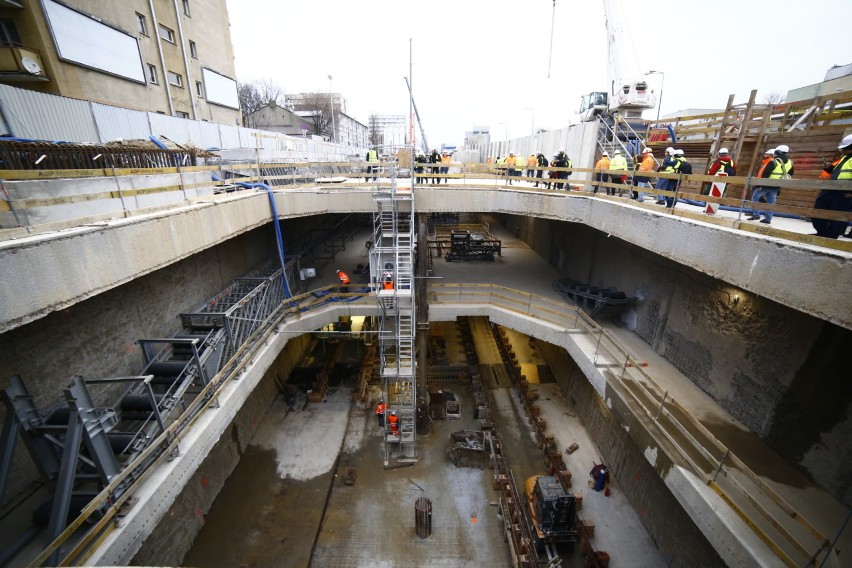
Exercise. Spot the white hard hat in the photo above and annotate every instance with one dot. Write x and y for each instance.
(669, 150)
(646, 150)
(605, 154)
(782, 148)
(617, 152)
(846, 142)
(393, 412)
(770, 151)
(678, 152)
(723, 151)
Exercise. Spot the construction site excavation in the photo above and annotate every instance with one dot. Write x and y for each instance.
(243, 328)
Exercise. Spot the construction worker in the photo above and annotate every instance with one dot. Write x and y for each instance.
(646, 165)
(372, 158)
(344, 281)
(835, 200)
(435, 159)
(666, 167)
(418, 169)
(724, 163)
(532, 163)
(542, 163)
(380, 412)
(618, 163)
(446, 160)
(387, 280)
(510, 166)
(393, 422)
(601, 177)
(779, 167)
(561, 161)
(681, 166)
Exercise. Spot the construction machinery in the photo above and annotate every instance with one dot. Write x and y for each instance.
(553, 512)
(423, 143)
(628, 94)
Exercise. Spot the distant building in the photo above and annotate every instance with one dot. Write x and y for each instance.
(389, 131)
(165, 56)
(279, 119)
(837, 79)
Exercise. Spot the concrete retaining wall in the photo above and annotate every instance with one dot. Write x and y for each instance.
(175, 533)
(612, 426)
(781, 372)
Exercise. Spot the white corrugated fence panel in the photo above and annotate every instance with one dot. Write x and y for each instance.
(210, 135)
(29, 114)
(229, 135)
(115, 122)
(171, 127)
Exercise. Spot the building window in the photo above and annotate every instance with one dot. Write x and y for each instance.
(181, 114)
(199, 89)
(152, 74)
(193, 49)
(175, 79)
(9, 33)
(186, 7)
(141, 24)
(167, 34)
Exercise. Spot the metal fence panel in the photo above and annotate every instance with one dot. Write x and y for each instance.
(30, 114)
(210, 137)
(114, 122)
(173, 128)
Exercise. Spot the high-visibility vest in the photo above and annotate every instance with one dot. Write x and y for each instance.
(618, 163)
(781, 169)
(845, 169)
(372, 156)
(380, 408)
(344, 278)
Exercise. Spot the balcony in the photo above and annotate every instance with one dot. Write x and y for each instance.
(21, 64)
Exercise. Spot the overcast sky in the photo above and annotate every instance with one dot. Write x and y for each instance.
(486, 62)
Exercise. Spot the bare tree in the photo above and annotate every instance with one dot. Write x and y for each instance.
(317, 109)
(377, 137)
(255, 95)
(774, 98)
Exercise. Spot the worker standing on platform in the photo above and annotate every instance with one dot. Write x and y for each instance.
(618, 163)
(511, 161)
(387, 280)
(780, 167)
(418, 169)
(446, 160)
(542, 163)
(435, 160)
(724, 163)
(372, 160)
(835, 200)
(380, 412)
(646, 165)
(666, 167)
(532, 162)
(600, 177)
(344, 281)
(393, 422)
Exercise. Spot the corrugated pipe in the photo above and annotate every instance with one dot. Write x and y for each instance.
(279, 238)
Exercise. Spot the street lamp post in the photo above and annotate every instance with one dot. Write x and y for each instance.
(662, 82)
(331, 102)
(532, 127)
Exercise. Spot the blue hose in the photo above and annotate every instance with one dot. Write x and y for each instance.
(672, 133)
(743, 209)
(279, 238)
(157, 142)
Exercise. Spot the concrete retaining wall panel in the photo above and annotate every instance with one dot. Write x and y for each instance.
(608, 422)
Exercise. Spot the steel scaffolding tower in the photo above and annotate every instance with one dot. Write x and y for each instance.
(392, 269)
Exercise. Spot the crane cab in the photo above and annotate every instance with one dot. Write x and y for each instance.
(592, 105)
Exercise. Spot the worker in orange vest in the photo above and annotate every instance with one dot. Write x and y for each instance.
(344, 281)
(387, 280)
(393, 422)
(380, 413)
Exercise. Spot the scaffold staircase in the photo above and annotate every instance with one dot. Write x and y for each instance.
(392, 269)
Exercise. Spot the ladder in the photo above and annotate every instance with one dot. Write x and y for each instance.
(392, 269)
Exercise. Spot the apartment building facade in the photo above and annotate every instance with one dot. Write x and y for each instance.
(173, 57)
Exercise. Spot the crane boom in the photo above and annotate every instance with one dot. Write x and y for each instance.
(419, 122)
